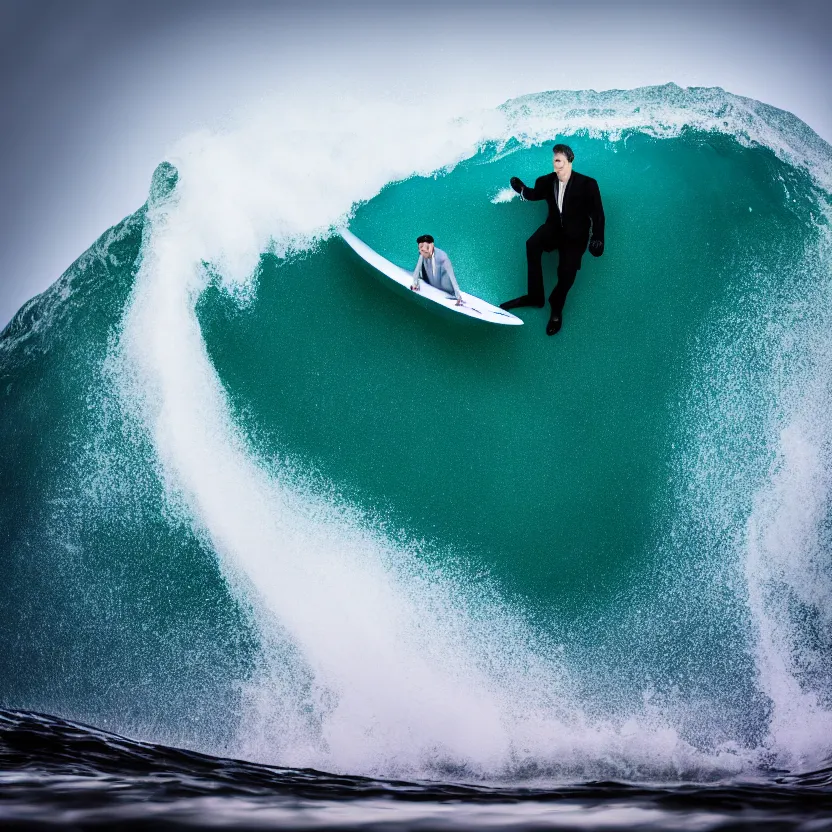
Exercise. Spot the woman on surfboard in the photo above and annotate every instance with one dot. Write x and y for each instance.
(434, 267)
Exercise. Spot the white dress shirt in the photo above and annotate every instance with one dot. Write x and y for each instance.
(560, 193)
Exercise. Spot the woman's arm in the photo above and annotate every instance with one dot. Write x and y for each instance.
(416, 275)
(450, 270)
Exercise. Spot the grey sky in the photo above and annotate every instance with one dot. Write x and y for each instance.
(93, 92)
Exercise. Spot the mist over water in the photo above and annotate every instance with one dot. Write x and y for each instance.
(325, 529)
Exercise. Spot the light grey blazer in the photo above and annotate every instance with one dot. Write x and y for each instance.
(440, 272)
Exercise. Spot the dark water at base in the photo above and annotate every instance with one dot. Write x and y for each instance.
(60, 774)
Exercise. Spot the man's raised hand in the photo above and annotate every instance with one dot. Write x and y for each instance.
(516, 184)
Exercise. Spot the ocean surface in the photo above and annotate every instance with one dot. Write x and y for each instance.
(331, 561)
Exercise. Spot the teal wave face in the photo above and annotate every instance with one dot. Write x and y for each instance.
(613, 492)
(550, 464)
(548, 460)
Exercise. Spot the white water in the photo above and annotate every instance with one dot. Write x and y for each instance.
(372, 663)
(788, 566)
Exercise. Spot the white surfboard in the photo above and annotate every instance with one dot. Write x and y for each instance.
(400, 279)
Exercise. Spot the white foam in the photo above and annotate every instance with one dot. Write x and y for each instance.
(757, 487)
(787, 566)
(504, 195)
(371, 661)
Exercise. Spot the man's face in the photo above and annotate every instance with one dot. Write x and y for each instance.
(562, 165)
(426, 250)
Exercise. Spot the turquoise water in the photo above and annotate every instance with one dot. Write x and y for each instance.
(506, 443)
(256, 503)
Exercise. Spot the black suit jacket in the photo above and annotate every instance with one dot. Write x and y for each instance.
(582, 209)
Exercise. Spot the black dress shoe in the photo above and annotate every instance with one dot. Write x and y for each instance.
(554, 325)
(523, 300)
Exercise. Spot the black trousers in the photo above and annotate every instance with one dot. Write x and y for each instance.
(548, 238)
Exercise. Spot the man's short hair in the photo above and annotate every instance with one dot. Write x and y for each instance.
(425, 238)
(566, 150)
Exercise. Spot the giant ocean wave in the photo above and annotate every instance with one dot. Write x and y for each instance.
(260, 508)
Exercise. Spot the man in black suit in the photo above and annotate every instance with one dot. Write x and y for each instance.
(575, 213)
